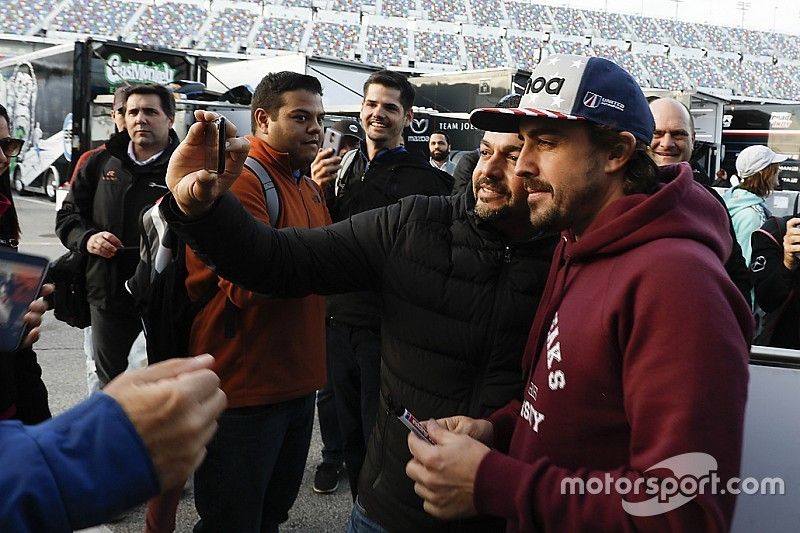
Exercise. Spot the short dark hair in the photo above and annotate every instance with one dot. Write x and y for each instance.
(120, 96)
(443, 134)
(393, 80)
(164, 94)
(4, 114)
(269, 93)
(641, 172)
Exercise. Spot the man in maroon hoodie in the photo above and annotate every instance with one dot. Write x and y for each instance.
(632, 385)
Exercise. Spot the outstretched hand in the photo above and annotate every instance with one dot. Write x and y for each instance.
(174, 406)
(194, 188)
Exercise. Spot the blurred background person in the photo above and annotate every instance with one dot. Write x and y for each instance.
(23, 395)
(757, 167)
(439, 150)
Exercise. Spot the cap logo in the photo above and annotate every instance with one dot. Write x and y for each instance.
(593, 100)
(353, 128)
(550, 86)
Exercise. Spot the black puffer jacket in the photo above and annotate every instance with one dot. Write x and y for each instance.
(457, 304)
(365, 185)
(108, 194)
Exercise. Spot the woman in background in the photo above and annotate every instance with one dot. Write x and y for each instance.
(758, 171)
(23, 395)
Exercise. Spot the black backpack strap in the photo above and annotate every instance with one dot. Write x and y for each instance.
(270, 191)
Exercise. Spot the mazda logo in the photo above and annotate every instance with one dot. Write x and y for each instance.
(419, 125)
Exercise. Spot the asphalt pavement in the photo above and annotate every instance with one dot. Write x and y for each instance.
(60, 353)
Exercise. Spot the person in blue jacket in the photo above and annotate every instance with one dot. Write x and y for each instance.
(145, 432)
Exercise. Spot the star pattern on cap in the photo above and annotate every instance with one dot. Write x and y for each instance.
(557, 101)
(576, 64)
(532, 98)
(553, 60)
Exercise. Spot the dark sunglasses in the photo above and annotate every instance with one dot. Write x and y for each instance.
(11, 147)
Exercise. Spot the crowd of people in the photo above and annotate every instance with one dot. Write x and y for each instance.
(551, 313)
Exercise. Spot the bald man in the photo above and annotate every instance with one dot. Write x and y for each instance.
(673, 142)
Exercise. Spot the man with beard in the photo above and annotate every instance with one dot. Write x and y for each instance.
(458, 280)
(439, 148)
(631, 381)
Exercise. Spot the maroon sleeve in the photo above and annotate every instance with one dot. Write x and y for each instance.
(503, 421)
(682, 331)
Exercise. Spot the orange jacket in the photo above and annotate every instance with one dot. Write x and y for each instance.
(277, 351)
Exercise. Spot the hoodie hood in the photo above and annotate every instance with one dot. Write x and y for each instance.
(680, 208)
(737, 199)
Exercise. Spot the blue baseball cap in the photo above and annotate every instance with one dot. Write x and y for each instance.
(570, 87)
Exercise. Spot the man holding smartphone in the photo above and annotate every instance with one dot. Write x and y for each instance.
(269, 353)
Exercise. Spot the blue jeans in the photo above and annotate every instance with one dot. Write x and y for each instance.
(360, 523)
(254, 467)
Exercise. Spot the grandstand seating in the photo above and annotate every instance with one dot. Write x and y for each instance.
(334, 39)
(646, 30)
(445, 10)
(750, 41)
(437, 48)
(27, 15)
(484, 52)
(664, 73)
(714, 37)
(229, 30)
(740, 75)
(95, 17)
(568, 20)
(279, 34)
(397, 8)
(787, 46)
(353, 6)
(768, 65)
(776, 82)
(680, 33)
(168, 24)
(488, 12)
(524, 51)
(386, 45)
(702, 73)
(625, 59)
(607, 25)
(569, 47)
(527, 16)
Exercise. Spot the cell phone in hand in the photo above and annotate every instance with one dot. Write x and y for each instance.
(21, 278)
(332, 139)
(214, 145)
(411, 422)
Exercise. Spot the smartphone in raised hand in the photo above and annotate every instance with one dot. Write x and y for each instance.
(332, 139)
(21, 278)
(215, 145)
